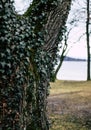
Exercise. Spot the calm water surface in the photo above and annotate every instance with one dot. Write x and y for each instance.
(73, 70)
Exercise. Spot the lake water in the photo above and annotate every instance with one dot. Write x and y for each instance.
(73, 70)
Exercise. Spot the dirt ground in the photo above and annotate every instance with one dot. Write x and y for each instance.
(70, 98)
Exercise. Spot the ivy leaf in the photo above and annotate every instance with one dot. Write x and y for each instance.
(8, 51)
(3, 64)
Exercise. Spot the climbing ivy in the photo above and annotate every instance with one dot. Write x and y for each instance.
(25, 66)
(14, 64)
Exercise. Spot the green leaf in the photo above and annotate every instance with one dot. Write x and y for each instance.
(3, 64)
(8, 51)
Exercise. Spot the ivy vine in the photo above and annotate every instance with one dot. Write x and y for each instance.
(25, 67)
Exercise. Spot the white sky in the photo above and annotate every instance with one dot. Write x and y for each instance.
(22, 5)
(78, 49)
(77, 41)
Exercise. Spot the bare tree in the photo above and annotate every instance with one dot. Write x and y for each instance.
(82, 16)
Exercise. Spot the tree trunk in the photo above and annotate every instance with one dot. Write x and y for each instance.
(56, 19)
(15, 71)
(88, 44)
(55, 25)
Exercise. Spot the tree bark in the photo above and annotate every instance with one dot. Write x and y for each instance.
(55, 23)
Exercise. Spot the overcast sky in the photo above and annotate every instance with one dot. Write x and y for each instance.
(22, 5)
(78, 44)
(77, 37)
(78, 47)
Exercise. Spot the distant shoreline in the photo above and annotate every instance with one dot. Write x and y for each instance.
(67, 58)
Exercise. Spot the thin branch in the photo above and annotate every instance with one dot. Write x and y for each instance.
(79, 38)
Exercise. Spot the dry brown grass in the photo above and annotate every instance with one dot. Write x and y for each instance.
(69, 105)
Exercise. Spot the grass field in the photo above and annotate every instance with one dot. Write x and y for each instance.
(69, 105)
